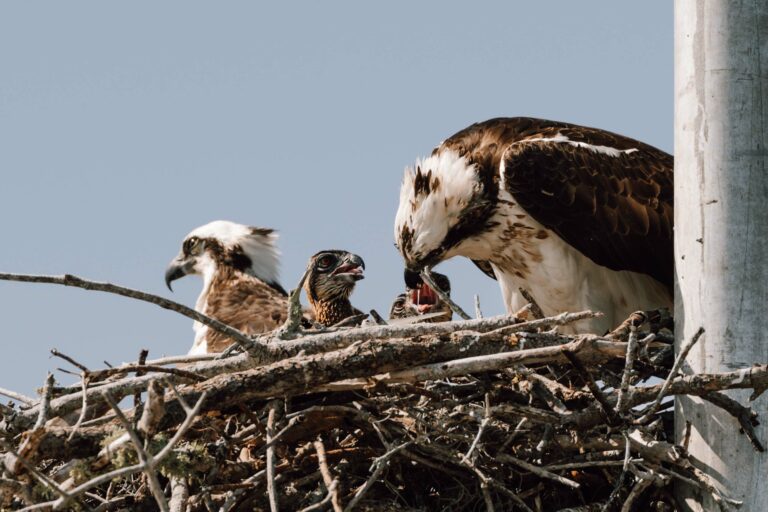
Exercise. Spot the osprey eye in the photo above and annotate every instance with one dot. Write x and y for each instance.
(193, 245)
(326, 261)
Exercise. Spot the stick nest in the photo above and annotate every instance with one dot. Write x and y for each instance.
(488, 414)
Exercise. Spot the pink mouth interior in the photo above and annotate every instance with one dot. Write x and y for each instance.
(424, 298)
(349, 269)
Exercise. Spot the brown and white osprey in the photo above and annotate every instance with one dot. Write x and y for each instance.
(580, 217)
(239, 267)
(331, 279)
(419, 299)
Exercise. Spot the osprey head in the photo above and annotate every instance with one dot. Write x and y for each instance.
(227, 244)
(444, 199)
(332, 275)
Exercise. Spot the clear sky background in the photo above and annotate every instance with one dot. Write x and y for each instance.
(125, 125)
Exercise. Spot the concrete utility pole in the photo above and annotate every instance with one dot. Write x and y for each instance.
(721, 226)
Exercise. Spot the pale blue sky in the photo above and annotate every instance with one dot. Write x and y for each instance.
(123, 126)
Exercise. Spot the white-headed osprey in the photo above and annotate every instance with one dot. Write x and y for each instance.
(331, 279)
(239, 267)
(580, 217)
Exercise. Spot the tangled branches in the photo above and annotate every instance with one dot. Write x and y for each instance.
(495, 414)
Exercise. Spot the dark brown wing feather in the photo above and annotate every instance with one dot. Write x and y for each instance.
(617, 210)
(245, 303)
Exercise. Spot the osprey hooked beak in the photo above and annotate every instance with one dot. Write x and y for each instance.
(179, 267)
(351, 268)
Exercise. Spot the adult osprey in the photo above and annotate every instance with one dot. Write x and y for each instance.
(580, 217)
(239, 267)
(331, 279)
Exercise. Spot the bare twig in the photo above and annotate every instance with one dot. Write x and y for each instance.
(377, 467)
(19, 397)
(70, 360)
(627, 375)
(483, 423)
(538, 471)
(179, 494)
(330, 483)
(292, 324)
(154, 409)
(78, 282)
(651, 410)
(426, 275)
(45, 402)
(377, 317)
(271, 490)
(320, 505)
(143, 369)
(351, 321)
(478, 311)
(143, 354)
(83, 408)
(145, 459)
(623, 477)
(610, 414)
(163, 361)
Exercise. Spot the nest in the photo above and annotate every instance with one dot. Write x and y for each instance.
(491, 414)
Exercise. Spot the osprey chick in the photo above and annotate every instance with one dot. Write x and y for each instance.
(331, 279)
(239, 267)
(579, 216)
(420, 299)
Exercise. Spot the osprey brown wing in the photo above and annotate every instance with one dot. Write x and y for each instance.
(609, 196)
(244, 302)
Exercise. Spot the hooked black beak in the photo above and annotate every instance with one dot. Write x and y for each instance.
(412, 278)
(352, 267)
(176, 269)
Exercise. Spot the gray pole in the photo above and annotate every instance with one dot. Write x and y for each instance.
(721, 226)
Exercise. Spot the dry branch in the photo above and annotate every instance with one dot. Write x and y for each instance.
(78, 282)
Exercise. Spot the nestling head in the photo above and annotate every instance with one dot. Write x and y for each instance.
(221, 244)
(332, 275)
(421, 299)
